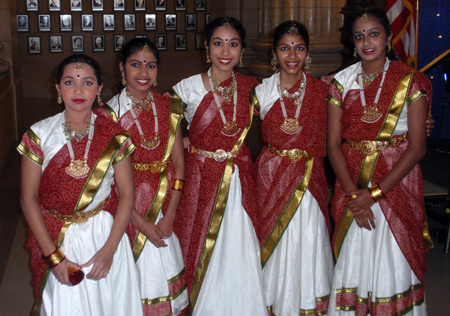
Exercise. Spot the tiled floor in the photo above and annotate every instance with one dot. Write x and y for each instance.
(15, 288)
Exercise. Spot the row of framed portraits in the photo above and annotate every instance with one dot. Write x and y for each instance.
(99, 43)
(109, 23)
(118, 5)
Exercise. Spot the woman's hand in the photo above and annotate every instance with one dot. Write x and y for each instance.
(165, 225)
(61, 272)
(101, 262)
(360, 207)
(154, 234)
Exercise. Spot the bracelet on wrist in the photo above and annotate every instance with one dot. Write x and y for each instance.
(178, 185)
(55, 258)
(376, 193)
(351, 197)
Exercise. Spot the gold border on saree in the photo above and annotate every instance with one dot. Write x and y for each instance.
(295, 154)
(369, 147)
(154, 166)
(79, 217)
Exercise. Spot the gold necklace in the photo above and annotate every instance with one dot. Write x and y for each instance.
(291, 125)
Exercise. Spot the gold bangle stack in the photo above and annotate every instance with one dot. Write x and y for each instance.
(178, 185)
(376, 193)
(55, 258)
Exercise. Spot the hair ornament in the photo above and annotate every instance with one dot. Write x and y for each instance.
(293, 29)
(78, 66)
(364, 18)
(227, 24)
(146, 49)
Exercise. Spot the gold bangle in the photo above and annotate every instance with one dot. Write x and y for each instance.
(376, 193)
(178, 185)
(350, 197)
(55, 258)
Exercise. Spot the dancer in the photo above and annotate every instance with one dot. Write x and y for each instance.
(379, 107)
(290, 181)
(69, 164)
(217, 214)
(152, 120)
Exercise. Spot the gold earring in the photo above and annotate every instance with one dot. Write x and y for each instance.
(124, 80)
(308, 61)
(355, 54)
(208, 60)
(155, 83)
(99, 99)
(274, 63)
(240, 59)
(389, 47)
(59, 99)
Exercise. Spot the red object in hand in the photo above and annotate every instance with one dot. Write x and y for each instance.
(75, 275)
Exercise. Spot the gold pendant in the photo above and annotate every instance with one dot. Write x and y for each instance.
(78, 168)
(150, 144)
(230, 129)
(370, 114)
(290, 126)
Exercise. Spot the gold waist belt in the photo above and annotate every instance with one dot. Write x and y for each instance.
(295, 154)
(79, 217)
(154, 166)
(368, 147)
(219, 155)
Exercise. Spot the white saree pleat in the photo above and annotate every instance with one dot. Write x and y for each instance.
(233, 281)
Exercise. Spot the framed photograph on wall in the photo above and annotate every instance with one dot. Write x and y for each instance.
(54, 5)
(87, 22)
(191, 22)
(129, 22)
(139, 5)
(77, 43)
(140, 36)
(119, 41)
(119, 5)
(200, 5)
(32, 5)
(108, 22)
(150, 22)
(34, 44)
(180, 5)
(98, 43)
(44, 22)
(180, 41)
(207, 18)
(22, 23)
(65, 22)
(75, 5)
(200, 39)
(160, 5)
(55, 44)
(97, 5)
(161, 41)
(171, 22)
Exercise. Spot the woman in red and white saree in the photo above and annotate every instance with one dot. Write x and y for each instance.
(290, 180)
(217, 214)
(70, 162)
(379, 108)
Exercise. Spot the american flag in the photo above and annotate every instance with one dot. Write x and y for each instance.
(403, 17)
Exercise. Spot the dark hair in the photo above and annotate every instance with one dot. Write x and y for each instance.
(79, 58)
(134, 45)
(211, 27)
(285, 27)
(381, 17)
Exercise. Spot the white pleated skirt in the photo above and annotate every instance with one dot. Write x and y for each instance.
(298, 275)
(372, 262)
(233, 281)
(116, 295)
(157, 267)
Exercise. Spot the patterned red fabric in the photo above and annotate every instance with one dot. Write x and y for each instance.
(59, 191)
(203, 175)
(277, 177)
(404, 205)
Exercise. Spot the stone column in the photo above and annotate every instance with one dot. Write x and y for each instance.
(322, 18)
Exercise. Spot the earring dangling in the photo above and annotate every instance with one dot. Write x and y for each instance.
(155, 83)
(99, 99)
(274, 63)
(389, 47)
(355, 54)
(208, 60)
(59, 99)
(240, 59)
(124, 80)
(308, 61)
